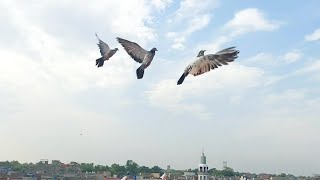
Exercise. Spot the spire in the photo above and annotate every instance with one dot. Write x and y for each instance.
(203, 159)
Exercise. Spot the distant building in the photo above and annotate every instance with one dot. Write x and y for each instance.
(316, 176)
(150, 175)
(168, 167)
(101, 175)
(189, 175)
(55, 162)
(203, 169)
(44, 161)
(264, 176)
(225, 165)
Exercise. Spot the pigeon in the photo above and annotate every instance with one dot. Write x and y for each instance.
(105, 52)
(204, 63)
(139, 54)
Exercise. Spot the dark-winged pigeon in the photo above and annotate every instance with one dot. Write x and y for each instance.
(105, 52)
(139, 54)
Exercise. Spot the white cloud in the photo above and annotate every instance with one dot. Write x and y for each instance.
(250, 20)
(131, 21)
(244, 21)
(161, 96)
(178, 45)
(215, 45)
(268, 59)
(171, 34)
(310, 69)
(49, 71)
(195, 24)
(232, 78)
(290, 95)
(313, 36)
(178, 42)
(198, 23)
(161, 4)
(53, 53)
(192, 8)
(292, 56)
(262, 59)
(194, 16)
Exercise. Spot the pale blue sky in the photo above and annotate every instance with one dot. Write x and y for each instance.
(260, 113)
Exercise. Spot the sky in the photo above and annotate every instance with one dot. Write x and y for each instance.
(259, 113)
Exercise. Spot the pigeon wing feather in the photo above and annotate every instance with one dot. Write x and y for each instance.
(133, 49)
(212, 61)
(104, 48)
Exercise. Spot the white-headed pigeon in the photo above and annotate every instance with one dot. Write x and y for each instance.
(204, 63)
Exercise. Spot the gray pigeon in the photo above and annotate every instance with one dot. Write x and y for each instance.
(139, 54)
(204, 63)
(105, 52)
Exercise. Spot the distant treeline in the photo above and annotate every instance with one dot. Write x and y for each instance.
(130, 168)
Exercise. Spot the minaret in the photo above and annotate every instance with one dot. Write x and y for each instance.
(203, 168)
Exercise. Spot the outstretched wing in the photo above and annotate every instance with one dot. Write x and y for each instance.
(212, 61)
(104, 48)
(133, 49)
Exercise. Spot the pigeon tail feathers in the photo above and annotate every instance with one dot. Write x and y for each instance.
(140, 72)
(99, 62)
(181, 79)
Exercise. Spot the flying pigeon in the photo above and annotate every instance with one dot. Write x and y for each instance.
(105, 52)
(139, 54)
(204, 63)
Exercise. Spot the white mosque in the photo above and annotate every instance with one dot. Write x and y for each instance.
(203, 172)
(203, 169)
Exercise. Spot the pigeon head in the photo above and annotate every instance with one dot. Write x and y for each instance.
(153, 50)
(201, 53)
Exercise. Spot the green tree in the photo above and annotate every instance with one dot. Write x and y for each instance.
(87, 167)
(107, 168)
(117, 169)
(228, 172)
(144, 169)
(156, 169)
(195, 170)
(99, 168)
(215, 172)
(131, 167)
(282, 175)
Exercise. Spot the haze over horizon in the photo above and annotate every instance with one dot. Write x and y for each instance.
(259, 113)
